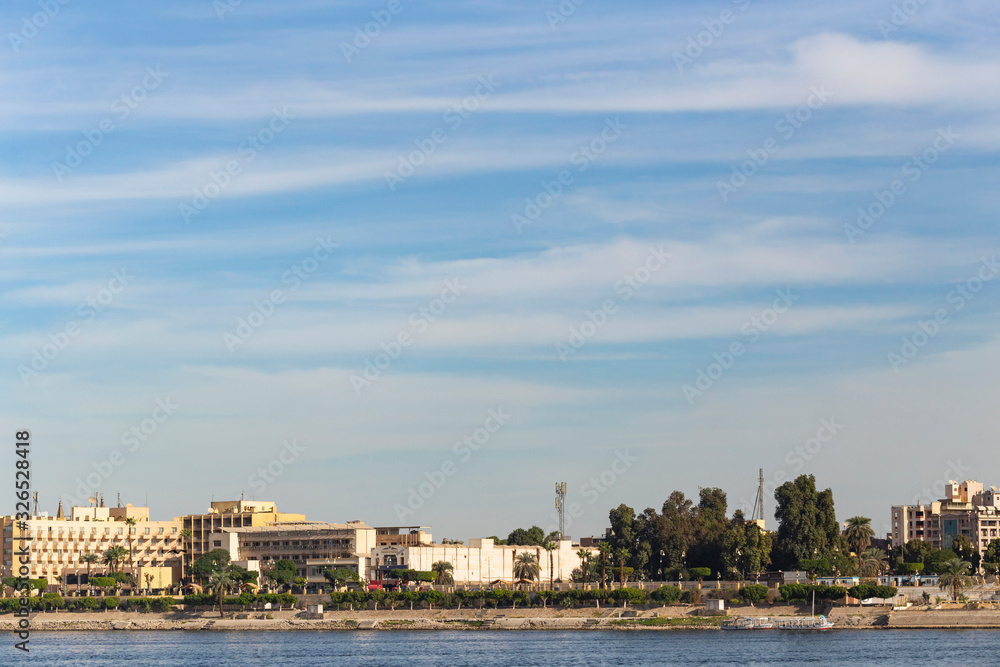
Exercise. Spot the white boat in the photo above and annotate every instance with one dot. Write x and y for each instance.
(748, 623)
(804, 623)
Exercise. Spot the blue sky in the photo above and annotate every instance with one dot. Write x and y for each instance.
(257, 202)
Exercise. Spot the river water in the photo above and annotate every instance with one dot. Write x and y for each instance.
(509, 648)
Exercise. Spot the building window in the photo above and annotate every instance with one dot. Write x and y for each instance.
(159, 531)
(217, 543)
(146, 531)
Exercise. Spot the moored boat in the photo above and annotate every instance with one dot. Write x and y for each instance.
(748, 623)
(804, 623)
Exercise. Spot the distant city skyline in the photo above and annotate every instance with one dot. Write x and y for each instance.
(416, 263)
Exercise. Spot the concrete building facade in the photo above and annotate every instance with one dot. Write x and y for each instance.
(312, 545)
(967, 509)
(56, 543)
(480, 563)
(229, 514)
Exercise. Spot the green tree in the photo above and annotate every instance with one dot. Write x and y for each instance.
(605, 549)
(526, 566)
(90, 559)
(443, 569)
(746, 549)
(283, 573)
(114, 555)
(130, 523)
(954, 575)
(532, 537)
(915, 551)
(338, 577)
(754, 593)
(675, 531)
(873, 562)
(966, 550)
(550, 546)
(584, 556)
(859, 534)
(207, 563)
(220, 580)
(700, 573)
(807, 524)
(992, 553)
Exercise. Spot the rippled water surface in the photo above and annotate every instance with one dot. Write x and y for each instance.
(513, 648)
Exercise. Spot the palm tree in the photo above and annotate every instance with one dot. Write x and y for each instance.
(584, 555)
(605, 550)
(130, 522)
(221, 580)
(550, 546)
(185, 538)
(89, 558)
(114, 555)
(622, 555)
(954, 575)
(873, 563)
(526, 566)
(443, 569)
(859, 535)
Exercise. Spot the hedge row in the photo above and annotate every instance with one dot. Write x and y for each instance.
(800, 592)
(490, 598)
(244, 599)
(51, 601)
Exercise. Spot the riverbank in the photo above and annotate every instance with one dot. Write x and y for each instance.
(676, 617)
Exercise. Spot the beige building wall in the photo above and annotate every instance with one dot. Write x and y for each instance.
(481, 562)
(56, 544)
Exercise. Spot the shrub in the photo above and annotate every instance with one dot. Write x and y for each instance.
(88, 603)
(666, 594)
(691, 597)
(700, 572)
(792, 592)
(754, 593)
(111, 602)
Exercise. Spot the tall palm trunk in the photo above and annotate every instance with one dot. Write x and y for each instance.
(604, 576)
(551, 573)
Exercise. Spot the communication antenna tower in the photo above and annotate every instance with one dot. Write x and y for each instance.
(758, 504)
(34, 496)
(561, 507)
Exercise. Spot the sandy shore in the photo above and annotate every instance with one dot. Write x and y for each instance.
(669, 618)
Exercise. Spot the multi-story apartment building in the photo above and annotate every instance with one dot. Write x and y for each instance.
(481, 563)
(55, 543)
(230, 514)
(967, 509)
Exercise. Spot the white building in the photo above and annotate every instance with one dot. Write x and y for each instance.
(481, 562)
